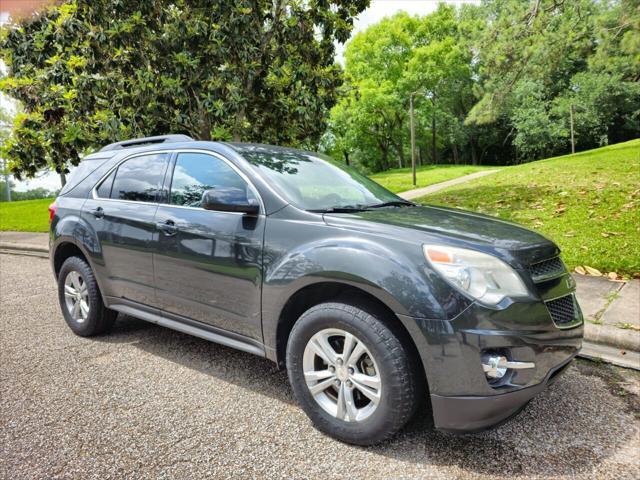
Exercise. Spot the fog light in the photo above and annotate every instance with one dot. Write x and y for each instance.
(493, 366)
(496, 366)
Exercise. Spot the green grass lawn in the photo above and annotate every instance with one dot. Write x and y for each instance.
(588, 203)
(399, 179)
(25, 215)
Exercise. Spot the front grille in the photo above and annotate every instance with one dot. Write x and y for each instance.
(546, 269)
(562, 310)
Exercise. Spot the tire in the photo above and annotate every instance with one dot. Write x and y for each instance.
(76, 282)
(355, 420)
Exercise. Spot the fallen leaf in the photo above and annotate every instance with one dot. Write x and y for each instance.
(612, 275)
(605, 234)
(580, 270)
(593, 271)
(560, 210)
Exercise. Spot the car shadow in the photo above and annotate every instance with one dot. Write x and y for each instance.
(556, 432)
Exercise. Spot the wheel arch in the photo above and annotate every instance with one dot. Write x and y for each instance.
(334, 291)
(66, 247)
(63, 250)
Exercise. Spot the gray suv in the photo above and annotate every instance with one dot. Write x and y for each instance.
(370, 302)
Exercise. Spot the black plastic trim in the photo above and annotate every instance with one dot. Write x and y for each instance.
(185, 325)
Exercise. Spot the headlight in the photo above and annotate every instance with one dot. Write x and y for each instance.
(484, 277)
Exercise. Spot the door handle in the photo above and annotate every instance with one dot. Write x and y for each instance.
(97, 212)
(167, 227)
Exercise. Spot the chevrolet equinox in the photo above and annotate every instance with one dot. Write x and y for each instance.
(369, 301)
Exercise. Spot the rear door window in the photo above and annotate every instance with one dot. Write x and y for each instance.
(104, 189)
(139, 179)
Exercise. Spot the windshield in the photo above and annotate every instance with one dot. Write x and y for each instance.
(313, 181)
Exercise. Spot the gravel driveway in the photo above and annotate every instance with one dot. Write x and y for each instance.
(146, 402)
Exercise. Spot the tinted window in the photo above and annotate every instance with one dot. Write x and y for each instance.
(140, 178)
(82, 171)
(104, 190)
(195, 173)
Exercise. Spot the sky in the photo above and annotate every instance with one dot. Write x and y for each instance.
(376, 12)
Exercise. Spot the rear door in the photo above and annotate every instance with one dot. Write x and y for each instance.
(121, 211)
(209, 263)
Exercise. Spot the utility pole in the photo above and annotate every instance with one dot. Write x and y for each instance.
(7, 185)
(413, 139)
(573, 142)
(434, 151)
(5, 170)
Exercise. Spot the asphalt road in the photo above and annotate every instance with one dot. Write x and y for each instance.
(146, 402)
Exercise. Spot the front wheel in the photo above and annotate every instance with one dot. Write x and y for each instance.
(351, 374)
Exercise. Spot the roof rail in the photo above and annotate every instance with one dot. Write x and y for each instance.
(136, 142)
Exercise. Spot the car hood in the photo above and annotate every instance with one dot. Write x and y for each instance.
(430, 223)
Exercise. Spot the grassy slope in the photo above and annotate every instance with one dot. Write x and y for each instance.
(588, 203)
(399, 179)
(25, 216)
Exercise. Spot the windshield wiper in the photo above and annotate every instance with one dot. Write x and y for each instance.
(394, 203)
(340, 209)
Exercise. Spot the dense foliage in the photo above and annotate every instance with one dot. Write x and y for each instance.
(91, 72)
(496, 82)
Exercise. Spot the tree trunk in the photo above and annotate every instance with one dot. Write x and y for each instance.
(455, 153)
(346, 157)
(474, 155)
(205, 127)
(420, 156)
(237, 127)
(401, 151)
(385, 155)
(63, 179)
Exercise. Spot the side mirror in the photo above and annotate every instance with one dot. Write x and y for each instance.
(229, 199)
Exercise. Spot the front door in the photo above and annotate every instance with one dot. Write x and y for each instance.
(122, 215)
(209, 263)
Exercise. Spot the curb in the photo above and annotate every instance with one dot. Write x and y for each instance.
(623, 339)
(24, 249)
(603, 353)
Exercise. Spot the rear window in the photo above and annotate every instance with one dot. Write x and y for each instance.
(82, 171)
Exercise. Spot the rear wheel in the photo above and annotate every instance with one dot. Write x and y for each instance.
(81, 301)
(352, 375)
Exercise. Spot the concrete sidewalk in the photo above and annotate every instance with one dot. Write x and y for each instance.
(611, 308)
(611, 311)
(27, 243)
(421, 192)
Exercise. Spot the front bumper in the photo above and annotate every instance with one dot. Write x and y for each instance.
(471, 414)
(451, 352)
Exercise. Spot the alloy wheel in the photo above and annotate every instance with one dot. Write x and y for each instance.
(342, 375)
(76, 295)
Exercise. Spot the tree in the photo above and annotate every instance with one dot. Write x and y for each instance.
(91, 72)
(537, 60)
(384, 65)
